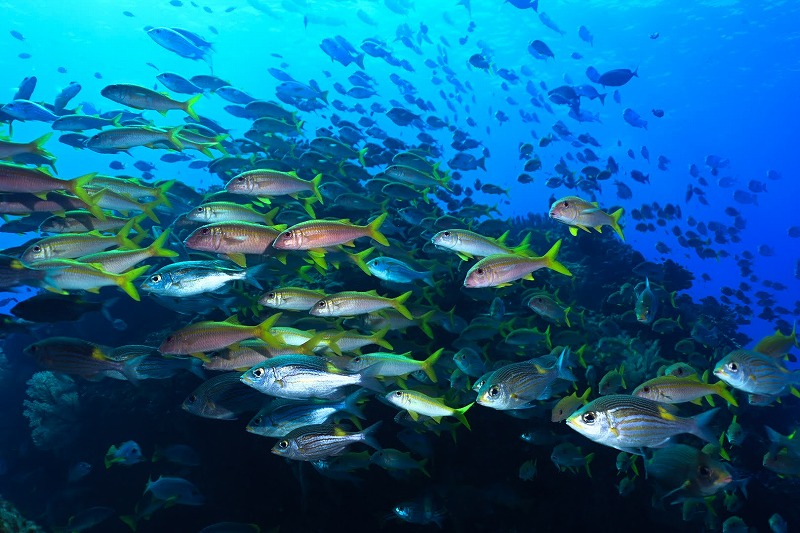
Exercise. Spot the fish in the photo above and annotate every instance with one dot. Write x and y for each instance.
(176, 490)
(468, 244)
(580, 214)
(646, 304)
(672, 389)
(567, 456)
(208, 336)
(62, 275)
(389, 364)
(318, 441)
(291, 298)
(321, 234)
(126, 454)
(501, 269)
(417, 403)
(617, 77)
(546, 307)
(687, 471)
(298, 377)
(396, 271)
(222, 397)
(281, 417)
(518, 385)
(139, 97)
(568, 405)
(191, 278)
(234, 239)
(756, 373)
(629, 423)
(350, 303)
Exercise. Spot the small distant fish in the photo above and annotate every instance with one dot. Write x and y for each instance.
(126, 454)
(175, 490)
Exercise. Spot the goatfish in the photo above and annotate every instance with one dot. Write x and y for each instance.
(467, 244)
(291, 298)
(577, 213)
(208, 336)
(139, 97)
(383, 364)
(75, 245)
(234, 239)
(629, 423)
(351, 303)
(20, 179)
(417, 403)
(62, 275)
(78, 357)
(321, 234)
(501, 269)
(229, 212)
(266, 183)
(673, 389)
(119, 261)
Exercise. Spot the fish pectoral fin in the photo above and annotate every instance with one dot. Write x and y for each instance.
(414, 415)
(573, 230)
(614, 430)
(437, 419)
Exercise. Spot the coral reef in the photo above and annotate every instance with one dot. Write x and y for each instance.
(13, 522)
(52, 410)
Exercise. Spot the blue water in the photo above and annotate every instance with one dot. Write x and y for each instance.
(725, 74)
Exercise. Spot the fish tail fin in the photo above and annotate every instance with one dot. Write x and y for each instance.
(173, 136)
(251, 273)
(359, 60)
(351, 403)
(397, 303)
(315, 186)
(374, 227)
(263, 333)
(552, 263)
(161, 193)
(368, 435)
(360, 259)
(700, 425)
(77, 186)
(722, 391)
(109, 458)
(378, 338)
(361, 154)
(523, 247)
(125, 281)
(566, 316)
(122, 236)
(615, 216)
(188, 106)
(308, 204)
(424, 323)
(157, 246)
(129, 521)
(427, 365)
(458, 414)
(147, 209)
(37, 145)
(562, 368)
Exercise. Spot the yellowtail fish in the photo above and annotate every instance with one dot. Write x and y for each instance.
(467, 244)
(79, 357)
(82, 221)
(119, 261)
(417, 403)
(234, 239)
(266, 183)
(208, 336)
(318, 441)
(392, 459)
(74, 245)
(629, 423)
(568, 405)
(351, 303)
(38, 182)
(132, 187)
(210, 212)
(57, 203)
(61, 275)
(382, 364)
(672, 389)
(393, 320)
(127, 137)
(756, 373)
(549, 309)
(125, 204)
(291, 298)
(567, 456)
(320, 234)
(9, 149)
(577, 213)
(500, 270)
(777, 344)
(139, 97)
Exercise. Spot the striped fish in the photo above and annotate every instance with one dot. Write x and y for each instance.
(319, 441)
(673, 389)
(756, 373)
(78, 357)
(629, 423)
(222, 397)
(500, 270)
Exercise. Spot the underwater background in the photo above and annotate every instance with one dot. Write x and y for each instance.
(696, 146)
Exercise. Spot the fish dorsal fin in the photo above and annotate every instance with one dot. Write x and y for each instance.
(234, 319)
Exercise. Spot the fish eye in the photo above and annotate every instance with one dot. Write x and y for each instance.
(283, 444)
(258, 372)
(321, 304)
(588, 418)
(200, 209)
(37, 249)
(257, 420)
(155, 278)
(733, 366)
(398, 393)
(205, 231)
(356, 359)
(446, 233)
(287, 234)
(704, 471)
(271, 295)
(191, 399)
(566, 204)
(646, 389)
(494, 391)
(479, 271)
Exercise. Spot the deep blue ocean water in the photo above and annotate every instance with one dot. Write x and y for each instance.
(724, 73)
